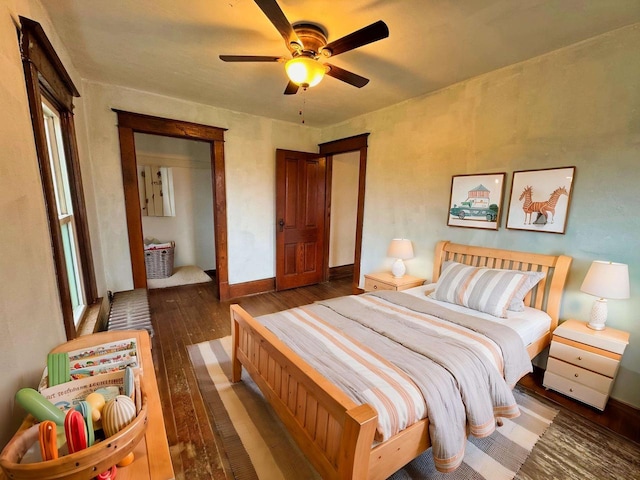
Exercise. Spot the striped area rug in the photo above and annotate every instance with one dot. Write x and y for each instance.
(258, 446)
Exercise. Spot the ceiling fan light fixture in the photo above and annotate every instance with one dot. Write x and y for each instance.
(305, 71)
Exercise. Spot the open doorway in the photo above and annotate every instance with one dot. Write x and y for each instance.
(130, 124)
(356, 146)
(343, 214)
(176, 201)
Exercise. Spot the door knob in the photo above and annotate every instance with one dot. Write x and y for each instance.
(281, 223)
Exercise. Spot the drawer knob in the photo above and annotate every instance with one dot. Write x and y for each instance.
(375, 287)
(575, 375)
(571, 389)
(579, 358)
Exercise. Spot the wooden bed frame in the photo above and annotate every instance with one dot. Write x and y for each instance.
(334, 432)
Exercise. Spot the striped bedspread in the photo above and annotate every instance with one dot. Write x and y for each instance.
(410, 359)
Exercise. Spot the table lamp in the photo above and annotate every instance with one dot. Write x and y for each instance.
(400, 249)
(605, 280)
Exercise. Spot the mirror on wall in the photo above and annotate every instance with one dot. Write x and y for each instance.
(156, 191)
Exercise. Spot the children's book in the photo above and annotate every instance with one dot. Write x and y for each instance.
(92, 368)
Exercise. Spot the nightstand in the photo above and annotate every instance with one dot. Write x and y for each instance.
(386, 281)
(583, 363)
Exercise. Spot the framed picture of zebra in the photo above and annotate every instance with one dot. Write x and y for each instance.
(476, 200)
(540, 199)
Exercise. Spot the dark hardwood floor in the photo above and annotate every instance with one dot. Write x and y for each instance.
(617, 416)
(192, 314)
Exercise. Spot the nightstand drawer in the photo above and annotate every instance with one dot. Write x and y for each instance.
(589, 360)
(575, 390)
(371, 285)
(600, 383)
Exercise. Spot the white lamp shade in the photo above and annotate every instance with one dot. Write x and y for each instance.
(607, 280)
(400, 248)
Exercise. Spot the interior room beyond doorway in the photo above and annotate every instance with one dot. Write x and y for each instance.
(176, 202)
(344, 212)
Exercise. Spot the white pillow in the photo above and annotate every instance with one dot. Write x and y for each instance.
(487, 290)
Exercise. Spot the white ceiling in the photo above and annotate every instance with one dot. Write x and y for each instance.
(171, 47)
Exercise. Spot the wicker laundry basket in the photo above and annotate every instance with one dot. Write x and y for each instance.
(159, 261)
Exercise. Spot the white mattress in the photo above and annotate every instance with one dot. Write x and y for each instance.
(530, 324)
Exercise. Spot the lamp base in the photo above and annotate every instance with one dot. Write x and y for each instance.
(398, 269)
(598, 314)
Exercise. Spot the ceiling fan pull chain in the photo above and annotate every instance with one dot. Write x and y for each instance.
(304, 101)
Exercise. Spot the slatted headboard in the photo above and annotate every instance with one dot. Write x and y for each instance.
(546, 296)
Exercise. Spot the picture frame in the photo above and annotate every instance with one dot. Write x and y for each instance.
(543, 194)
(476, 200)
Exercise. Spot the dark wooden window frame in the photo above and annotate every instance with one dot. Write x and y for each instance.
(46, 77)
(131, 123)
(329, 149)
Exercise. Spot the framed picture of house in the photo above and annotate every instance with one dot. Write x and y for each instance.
(476, 200)
(540, 199)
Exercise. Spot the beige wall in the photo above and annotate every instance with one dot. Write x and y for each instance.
(30, 314)
(250, 145)
(577, 106)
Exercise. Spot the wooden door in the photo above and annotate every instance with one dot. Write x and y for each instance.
(300, 218)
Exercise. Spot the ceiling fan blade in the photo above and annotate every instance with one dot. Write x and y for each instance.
(250, 58)
(374, 32)
(275, 14)
(346, 76)
(292, 88)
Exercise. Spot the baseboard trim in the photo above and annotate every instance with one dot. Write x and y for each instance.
(264, 285)
(342, 271)
(251, 288)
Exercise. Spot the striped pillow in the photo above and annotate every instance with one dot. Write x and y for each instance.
(517, 302)
(492, 291)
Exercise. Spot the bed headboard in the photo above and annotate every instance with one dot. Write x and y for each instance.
(546, 296)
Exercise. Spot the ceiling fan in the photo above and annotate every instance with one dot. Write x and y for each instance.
(307, 43)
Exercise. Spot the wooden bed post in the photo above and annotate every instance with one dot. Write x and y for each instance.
(438, 259)
(236, 366)
(560, 272)
(359, 430)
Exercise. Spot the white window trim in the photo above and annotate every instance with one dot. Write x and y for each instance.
(63, 202)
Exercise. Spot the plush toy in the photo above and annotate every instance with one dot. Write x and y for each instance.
(117, 414)
(129, 383)
(86, 410)
(97, 402)
(38, 406)
(108, 475)
(126, 460)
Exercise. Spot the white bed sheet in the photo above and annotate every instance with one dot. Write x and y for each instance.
(530, 324)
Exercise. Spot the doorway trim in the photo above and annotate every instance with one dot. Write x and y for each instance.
(329, 149)
(130, 123)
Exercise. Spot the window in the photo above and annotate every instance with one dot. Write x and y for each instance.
(51, 92)
(64, 207)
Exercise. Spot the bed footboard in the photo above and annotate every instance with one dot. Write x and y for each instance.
(333, 431)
